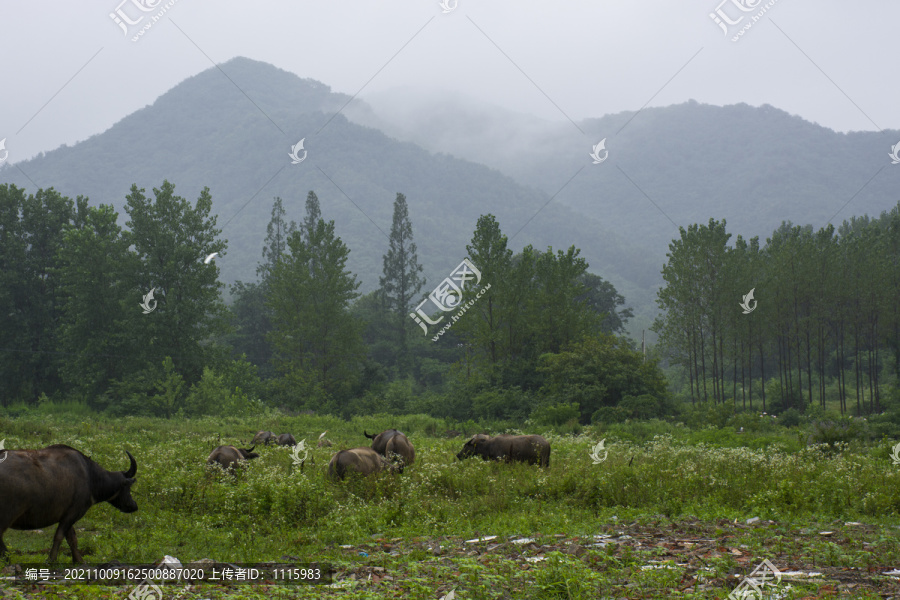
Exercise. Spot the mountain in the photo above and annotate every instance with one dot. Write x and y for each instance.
(667, 167)
(231, 128)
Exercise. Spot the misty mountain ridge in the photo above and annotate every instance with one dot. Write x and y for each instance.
(207, 132)
(456, 159)
(754, 166)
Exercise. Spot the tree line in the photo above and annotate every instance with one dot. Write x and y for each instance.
(302, 336)
(825, 325)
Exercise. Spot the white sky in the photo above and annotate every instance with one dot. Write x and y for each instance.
(833, 63)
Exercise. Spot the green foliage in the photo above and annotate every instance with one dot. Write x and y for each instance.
(609, 414)
(310, 291)
(170, 387)
(33, 228)
(556, 414)
(834, 434)
(565, 577)
(251, 320)
(828, 311)
(791, 418)
(645, 406)
(501, 403)
(97, 303)
(401, 281)
(168, 238)
(602, 371)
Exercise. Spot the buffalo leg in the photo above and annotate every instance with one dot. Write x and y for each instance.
(66, 530)
(3, 548)
(57, 540)
(73, 544)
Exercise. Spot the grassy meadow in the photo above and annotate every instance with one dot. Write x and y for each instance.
(665, 515)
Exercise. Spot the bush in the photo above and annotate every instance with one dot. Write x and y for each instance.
(504, 403)
(776, 404)
(790, 418)
(131, 395)
(213, 396)
(643, 407)
(833, 433)
(555, 414)
(609, 414)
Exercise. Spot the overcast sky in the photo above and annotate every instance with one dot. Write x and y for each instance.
(69, 71)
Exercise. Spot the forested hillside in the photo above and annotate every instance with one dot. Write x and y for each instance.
(207, 131)
(752, 166)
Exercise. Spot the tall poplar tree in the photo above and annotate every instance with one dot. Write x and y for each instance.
(251, 316)
(313, 215)
(318, 343)
(402, 280)
(277, 233)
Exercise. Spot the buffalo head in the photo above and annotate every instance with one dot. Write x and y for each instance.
(123, 500)
(471, 447)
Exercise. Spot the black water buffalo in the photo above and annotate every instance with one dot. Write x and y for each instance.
(58, 484)
(263, 437)
(361, 460)
(533, 449)
(286, 439)
(228, 456)
(390, 442)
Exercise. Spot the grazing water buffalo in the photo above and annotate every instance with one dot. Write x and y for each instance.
(286, 439)
(362, 460)
(391, 442)
(58, 484)
(533, 449)
(263, 437)
(228, 456)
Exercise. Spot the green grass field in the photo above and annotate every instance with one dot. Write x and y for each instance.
(665, 515)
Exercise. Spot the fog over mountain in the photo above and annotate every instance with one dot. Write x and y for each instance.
(455, 159)
(667, 167)
(356, 172)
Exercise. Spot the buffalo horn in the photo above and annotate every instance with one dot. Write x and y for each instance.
(133, 468)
